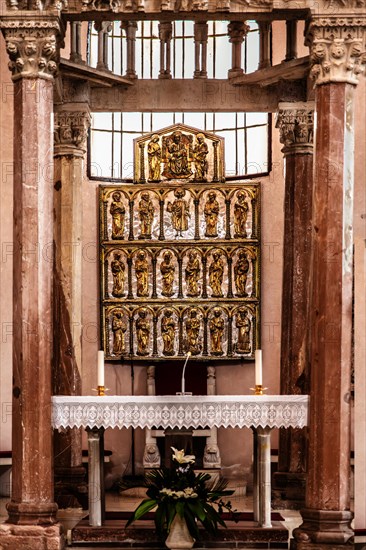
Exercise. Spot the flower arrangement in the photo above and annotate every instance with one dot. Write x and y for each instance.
(179, 490)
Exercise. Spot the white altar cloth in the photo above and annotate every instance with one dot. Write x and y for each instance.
(180, 411)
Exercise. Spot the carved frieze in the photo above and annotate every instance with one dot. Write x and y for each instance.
(337, 48)
(70, 133)
(180, 278)
(32, 45)
(296, 125)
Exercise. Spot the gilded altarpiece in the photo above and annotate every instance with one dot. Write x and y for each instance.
(180, 254)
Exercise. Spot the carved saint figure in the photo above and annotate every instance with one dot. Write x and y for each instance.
(154, 156)
(119, 328)
(216, 327)
(193, 325)
(177, 165)
(216, 275)
(118, 274)
(142, 332)
(142, 274)
(241, 269)
(240, 215)
(146, 213)
(179, 210)
(117, 211)
(199, 154)
(167, 269)
(168, 332)
(192, 273)
(243, 325)
(211, 212)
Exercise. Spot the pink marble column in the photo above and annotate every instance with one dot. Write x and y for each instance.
(31, 42)
(337, 63)
(295, 122)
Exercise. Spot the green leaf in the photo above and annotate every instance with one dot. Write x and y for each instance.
(145, 506)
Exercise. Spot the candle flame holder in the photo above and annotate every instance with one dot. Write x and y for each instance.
(101, 390)
(259, 389)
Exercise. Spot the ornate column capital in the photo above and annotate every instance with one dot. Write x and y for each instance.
(33, 44)
(337, 48)
(237, 31)
(165, 31)
(295, 122)
(70, 133)
(200, 31)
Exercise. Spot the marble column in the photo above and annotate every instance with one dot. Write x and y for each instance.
(32, 42)
(237, 31)
(295, 123)
(336, 46)
(71, 128)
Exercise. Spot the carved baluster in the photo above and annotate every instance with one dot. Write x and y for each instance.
(165, 36)
(200, 45)
(291, 39)
(154, 261)
(264, 44)
(129, 269)
(130, 28)
(130, 234)
(161, 228)
(196, 203)
(228, 231)
(237, 31)
(75, 39)
(103, 28)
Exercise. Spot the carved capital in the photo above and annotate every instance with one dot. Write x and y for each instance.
(237, 31)
(295, 122)
(337, 49)
(33, 45)
(71, 130)
(165, 31)
(200, 31)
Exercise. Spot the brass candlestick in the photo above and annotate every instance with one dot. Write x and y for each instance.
(259, 389)
(101, 390)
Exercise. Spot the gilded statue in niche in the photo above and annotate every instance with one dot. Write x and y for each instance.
(211, 212)
(244, 325)
(118, 274)
(154, 156)
(119, 328)
(240, 215)
(200, 153)
(117, 211)
(167, 270)
(177, 153)
(216, 327)
(216, 275)
(193, 325)
(179, 211)
(168, 332)
(241, 270)
(146, 214)
(192, 273)
(142, 274)
(142, 325)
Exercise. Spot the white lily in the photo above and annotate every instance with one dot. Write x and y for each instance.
(181, 458)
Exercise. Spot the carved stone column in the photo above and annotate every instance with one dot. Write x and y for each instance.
(130, 28)
(211, 456)
(336, 46)
(152, 457)
(165, 36)
(71, 128)
(264, 44)
(32, 45)
(200, 45)
(295, 122)
(237, 31)
(103, 28)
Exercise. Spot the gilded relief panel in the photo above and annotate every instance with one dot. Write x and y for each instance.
(180, 258)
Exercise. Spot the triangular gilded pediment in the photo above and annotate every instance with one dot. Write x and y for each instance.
(179, 153)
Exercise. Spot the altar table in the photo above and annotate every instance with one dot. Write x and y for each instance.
(259, 412)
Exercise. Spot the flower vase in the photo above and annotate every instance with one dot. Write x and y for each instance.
(179, 535)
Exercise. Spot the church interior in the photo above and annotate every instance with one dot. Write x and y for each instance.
(183, 229)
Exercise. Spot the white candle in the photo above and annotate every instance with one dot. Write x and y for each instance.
(100, 368)
(258, 367)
